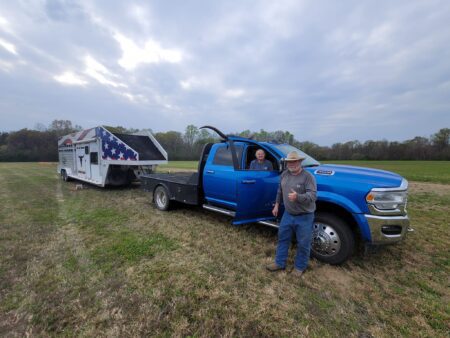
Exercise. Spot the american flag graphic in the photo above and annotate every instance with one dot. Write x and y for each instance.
(113, 148)
(83, 134)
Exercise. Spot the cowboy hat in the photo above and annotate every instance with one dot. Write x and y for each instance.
(294, 156)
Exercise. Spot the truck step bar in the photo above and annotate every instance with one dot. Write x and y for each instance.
(232, 214)
(219, 210)
(270, 224)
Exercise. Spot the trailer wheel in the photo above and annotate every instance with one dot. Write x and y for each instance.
(64, 176)
(161, 198)
(333, 241)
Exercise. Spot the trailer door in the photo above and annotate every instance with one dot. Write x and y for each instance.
(87, 161)
(81, 161)
(94, 162)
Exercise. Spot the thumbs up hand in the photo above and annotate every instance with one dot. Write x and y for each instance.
(292, 196)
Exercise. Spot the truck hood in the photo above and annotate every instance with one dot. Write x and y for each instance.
(371, 178)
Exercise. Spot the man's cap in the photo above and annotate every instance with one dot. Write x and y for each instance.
(294, 156)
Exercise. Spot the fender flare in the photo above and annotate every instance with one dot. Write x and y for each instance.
(354, 211)
(340, 200)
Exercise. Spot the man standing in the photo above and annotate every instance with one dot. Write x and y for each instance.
(261, 163)
(297, 191)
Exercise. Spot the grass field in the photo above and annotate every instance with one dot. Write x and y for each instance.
(180, 165)
(422, 171)
(105, 262)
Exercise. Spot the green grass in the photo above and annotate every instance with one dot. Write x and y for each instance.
(179, 165)
(422, 171)
(105, 262)
(126, 247)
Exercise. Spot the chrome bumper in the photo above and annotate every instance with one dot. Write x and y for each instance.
(387, 229)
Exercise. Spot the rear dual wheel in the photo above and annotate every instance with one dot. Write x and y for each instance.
(161, 198)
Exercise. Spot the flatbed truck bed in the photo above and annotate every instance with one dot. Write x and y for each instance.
(181, 187)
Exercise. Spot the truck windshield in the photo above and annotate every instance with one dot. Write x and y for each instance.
(286, 149)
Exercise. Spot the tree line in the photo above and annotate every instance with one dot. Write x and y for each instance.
(40, 144)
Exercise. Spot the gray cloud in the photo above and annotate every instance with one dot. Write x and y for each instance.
(325, 71)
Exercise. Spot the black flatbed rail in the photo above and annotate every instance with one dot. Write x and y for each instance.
(182, 187)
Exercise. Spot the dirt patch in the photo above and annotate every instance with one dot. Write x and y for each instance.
(335, 277)
(422, 187)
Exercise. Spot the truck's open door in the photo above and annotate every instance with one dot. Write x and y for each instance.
(253, 191)
(256, 193)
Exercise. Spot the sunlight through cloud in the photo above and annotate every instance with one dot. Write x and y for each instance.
(3, 22)
(100, 73)
(133, 55)
(69, 78)
(8, 46)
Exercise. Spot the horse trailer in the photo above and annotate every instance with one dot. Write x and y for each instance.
(103, 157)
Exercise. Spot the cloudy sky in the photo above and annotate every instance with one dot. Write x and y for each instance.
(327, 71)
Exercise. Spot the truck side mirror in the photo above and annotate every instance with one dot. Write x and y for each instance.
(282, 165)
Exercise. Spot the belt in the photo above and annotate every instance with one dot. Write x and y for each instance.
(301, 214)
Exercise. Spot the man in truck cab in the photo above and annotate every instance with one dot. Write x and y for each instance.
(261, 163)
(297, 191)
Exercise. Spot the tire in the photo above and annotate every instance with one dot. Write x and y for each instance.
(64, 176)
(117, 177)
(333, 241)
(161, 198)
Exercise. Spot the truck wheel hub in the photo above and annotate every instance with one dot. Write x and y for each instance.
(326, 241)
(161, 199)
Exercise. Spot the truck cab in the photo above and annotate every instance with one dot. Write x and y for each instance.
(353, 203)
(250, 193)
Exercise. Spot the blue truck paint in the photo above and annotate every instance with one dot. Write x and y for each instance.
(225, 183)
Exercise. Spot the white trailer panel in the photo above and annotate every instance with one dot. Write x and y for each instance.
(101, 157)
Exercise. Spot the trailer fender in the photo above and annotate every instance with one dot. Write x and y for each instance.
(68, 171)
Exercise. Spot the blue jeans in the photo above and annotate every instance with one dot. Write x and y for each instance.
(302, 226)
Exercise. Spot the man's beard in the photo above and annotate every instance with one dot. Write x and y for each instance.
(293, 170)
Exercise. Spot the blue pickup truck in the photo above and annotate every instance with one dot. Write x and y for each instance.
(353, 203)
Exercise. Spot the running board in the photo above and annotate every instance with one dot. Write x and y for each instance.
(270, 224)
(233, 214)
(219, 210)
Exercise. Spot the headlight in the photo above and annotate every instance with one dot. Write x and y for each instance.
(387, 200)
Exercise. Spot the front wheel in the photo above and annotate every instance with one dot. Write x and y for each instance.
(161, 198)
(332, 241)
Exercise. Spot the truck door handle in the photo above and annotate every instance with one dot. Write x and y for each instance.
(210, 171)
(248, 181)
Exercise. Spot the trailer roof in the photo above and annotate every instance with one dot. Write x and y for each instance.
(143, 145)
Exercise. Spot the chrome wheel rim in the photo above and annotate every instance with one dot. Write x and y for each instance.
(161, 198)
(326, 241)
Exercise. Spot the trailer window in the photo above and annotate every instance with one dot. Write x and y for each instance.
(223, 156)
(94, 158)
(86, 150)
